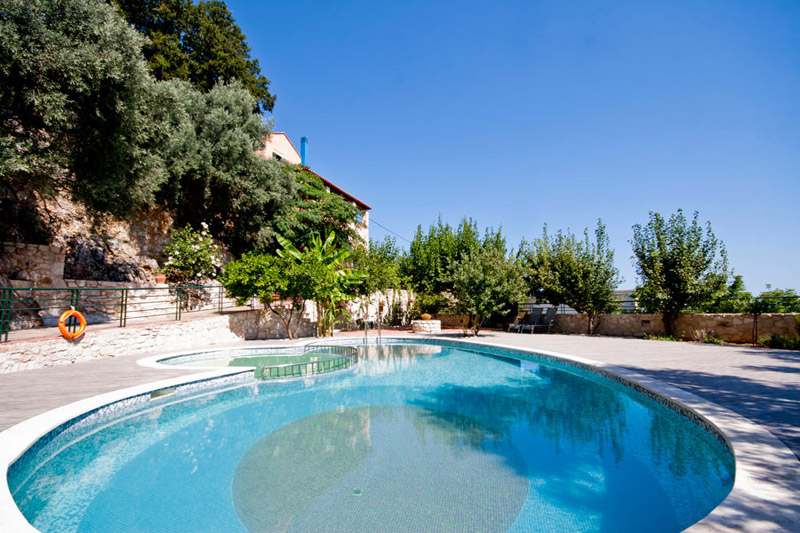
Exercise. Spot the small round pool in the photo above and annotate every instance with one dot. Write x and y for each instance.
(435, 436)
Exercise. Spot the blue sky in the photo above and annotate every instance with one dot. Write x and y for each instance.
(523, 113)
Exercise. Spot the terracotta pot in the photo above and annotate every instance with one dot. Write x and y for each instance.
(425, 316)
(161, 278)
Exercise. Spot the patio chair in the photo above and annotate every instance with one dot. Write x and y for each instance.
(518, 321)
(533, 319)
(547, 320)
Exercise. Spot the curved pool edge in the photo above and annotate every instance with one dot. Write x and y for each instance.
(756, 503)
(17, 439)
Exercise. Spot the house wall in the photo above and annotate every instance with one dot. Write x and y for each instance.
(363, 228)
(278, 143)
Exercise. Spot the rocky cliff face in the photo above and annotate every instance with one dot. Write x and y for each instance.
(96, 248)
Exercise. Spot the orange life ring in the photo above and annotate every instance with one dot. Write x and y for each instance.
(62, 324)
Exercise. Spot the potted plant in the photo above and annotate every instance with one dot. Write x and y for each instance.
(425, 316)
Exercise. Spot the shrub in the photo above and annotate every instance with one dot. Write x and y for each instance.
(433, 304)
(706, 336)
(192, 257)
(653, 337)
(781, 342)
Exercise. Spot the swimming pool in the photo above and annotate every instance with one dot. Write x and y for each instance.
(415, 437)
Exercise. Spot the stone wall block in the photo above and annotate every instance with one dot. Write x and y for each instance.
(727, 327)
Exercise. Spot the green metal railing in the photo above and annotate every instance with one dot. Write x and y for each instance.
(336, 358)
(40, 307)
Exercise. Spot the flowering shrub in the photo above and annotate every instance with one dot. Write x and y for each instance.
(192, 257)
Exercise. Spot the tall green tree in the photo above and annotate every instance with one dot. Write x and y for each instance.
(778, 301)
(735, 299)
(432, 256)
(486, 281)
(380, 263)
(579, 273)
(75, 105)
(197, 42)
(312, 210)
(679, 265)
(214, 175)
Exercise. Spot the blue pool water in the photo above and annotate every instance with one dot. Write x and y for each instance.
(413, 438)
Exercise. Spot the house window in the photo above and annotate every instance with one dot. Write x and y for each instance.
(360, 217)
(276, 156)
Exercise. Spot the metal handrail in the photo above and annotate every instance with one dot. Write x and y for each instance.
(347, 358)
(24, 308)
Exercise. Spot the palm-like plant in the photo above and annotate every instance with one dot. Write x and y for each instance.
(331, 280)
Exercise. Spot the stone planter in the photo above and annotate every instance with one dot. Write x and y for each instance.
(426, 326)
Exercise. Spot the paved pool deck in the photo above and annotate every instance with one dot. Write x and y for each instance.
(761, 385)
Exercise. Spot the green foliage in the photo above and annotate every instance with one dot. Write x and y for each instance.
(565, 270)
(706, 336)
(777, 301)
(314, 210)
(282, 285)
(331, 281)
(486, 281)
(381, 265)
(431, 257)
(214, 173)
(734, 300)
(679, 265)
(432, 304)
(192, 257)
(76, 99)
(781, 342)
(199, 43)
(82, 115)
(653, 337)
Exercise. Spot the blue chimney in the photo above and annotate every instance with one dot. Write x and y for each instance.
(303, 143)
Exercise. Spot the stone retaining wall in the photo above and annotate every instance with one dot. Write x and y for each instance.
(453, 321)
(426, 326)
(164, 336)
(33, 263)
(727, 327)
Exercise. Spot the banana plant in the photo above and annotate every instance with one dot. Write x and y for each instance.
(323, 263)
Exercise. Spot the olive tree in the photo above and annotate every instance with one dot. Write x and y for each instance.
(679, 265)
(486, 281)
(75, 104)
(563, 269)
(214, 174)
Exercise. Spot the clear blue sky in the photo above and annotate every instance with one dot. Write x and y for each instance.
(521, 113)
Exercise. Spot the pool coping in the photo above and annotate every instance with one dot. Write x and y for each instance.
(756, 502)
